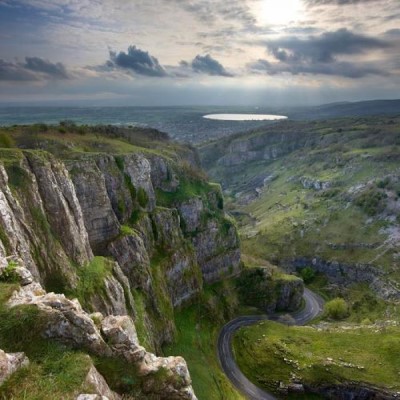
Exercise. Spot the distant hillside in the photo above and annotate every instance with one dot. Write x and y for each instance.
(324, 194)
(347, 109)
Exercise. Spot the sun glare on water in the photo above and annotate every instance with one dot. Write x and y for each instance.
(278, 12)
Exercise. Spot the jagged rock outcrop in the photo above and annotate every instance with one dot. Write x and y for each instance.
(10, 363)
(165, 377)
(99, 386)
(259, 288)
(64, 320)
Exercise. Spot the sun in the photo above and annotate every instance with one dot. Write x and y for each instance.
(278, 12)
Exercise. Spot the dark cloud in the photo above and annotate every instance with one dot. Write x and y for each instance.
(138, 61)
(319, 55)
(322, 48)
(56, 71)
(344, 69)
(33, 69)
(208, 65)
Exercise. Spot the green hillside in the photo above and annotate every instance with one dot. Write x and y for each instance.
(327, 191)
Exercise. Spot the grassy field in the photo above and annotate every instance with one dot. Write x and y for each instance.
(270, 352)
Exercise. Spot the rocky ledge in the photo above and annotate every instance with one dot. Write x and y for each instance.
(65, 321)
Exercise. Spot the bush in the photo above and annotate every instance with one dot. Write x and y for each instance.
(383, 183)
(9, 274)
(307, 274)
(337, 309)
(372, 201)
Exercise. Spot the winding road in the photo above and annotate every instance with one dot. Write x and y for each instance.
(313, 307)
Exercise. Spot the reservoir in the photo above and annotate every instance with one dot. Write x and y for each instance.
(244, 117)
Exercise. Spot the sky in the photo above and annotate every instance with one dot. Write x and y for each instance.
(198, 52)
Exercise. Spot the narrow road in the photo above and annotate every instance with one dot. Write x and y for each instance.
(313, 307)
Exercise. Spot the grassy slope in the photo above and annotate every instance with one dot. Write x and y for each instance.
(198, 327)
(69, 141)
(271, 352)
(288, 220)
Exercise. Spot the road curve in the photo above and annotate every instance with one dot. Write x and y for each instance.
(313, 307)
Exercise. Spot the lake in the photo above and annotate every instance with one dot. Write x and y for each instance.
(244, 117)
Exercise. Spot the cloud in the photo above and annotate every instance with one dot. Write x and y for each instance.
(55, 71)
(210, 11)
(142, 63)
(339, 2)
(343, 69)
(319, 55)
(322, 48)
(137, 61)
(207, 65)
(33, 69)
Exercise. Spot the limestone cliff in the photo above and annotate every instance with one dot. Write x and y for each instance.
(150, 211)
(126, 224)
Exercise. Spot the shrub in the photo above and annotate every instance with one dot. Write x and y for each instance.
(126, 230)
(9, 274)
(337, 309)
(383, 183)
(307, 274)
(372, 201)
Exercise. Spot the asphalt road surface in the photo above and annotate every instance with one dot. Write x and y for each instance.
(313, 307)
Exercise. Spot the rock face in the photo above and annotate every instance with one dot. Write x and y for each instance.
(56, 215)
(164, 377)
(346, 274)
(99, 385)
(65, 321)
(258, 288)
(156, 219)
(10, 363)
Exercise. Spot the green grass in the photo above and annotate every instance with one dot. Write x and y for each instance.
(270, 352)
(196, 342)
(186, 190)
(197, 331)
(126, 230)
(142, 329)
(91, 280)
